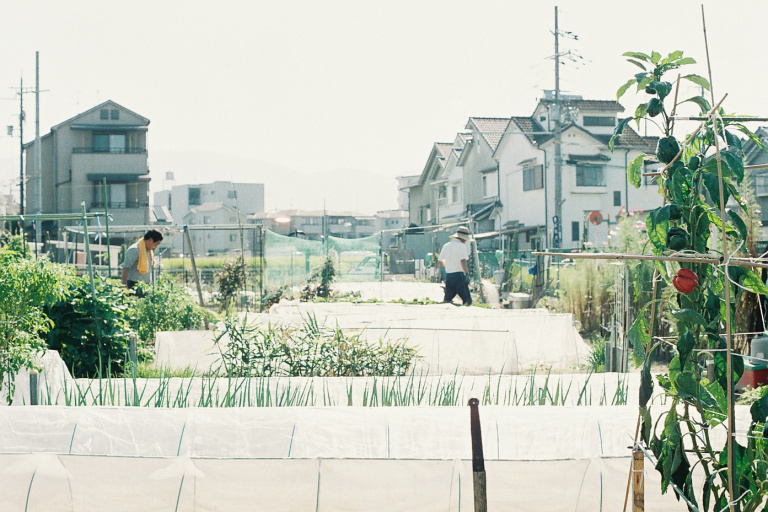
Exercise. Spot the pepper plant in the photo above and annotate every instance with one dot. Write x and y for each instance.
(681, 438)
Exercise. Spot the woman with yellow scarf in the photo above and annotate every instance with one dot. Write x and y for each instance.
(138, 259)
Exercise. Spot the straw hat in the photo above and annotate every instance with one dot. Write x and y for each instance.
(462, 233)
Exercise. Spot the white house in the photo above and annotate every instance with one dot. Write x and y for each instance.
(593, 177)
(500, 172)
(216, 228)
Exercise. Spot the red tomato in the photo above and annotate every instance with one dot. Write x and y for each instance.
(685, 281)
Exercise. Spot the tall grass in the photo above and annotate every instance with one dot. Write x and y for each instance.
(404, 391)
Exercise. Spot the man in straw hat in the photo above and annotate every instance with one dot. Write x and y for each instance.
(454, 257)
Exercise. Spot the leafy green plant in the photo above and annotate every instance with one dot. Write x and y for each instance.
(166, 306)
(27, 286)
(319, 283)
(307, 350)
(91, 331)
(698, 405)
(230, 280)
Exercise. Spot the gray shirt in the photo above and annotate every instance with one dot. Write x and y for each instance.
(131, 262)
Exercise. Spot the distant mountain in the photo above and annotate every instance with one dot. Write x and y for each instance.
(284, 188)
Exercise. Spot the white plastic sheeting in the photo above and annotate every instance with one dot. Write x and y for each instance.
(385, 459)
(449, 339)
(53, 376)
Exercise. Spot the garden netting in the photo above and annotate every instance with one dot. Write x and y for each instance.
(292, 261)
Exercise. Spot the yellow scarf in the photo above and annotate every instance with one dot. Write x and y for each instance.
(143, 265)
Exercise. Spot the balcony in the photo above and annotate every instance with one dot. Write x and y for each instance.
(119, 151)
(99, 205)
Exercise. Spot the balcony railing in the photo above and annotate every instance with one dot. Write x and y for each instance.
(114, 151)
(117, 205)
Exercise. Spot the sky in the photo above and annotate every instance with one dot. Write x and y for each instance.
(317, 98)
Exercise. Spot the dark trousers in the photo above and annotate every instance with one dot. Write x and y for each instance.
(456, 284)
(130, 284)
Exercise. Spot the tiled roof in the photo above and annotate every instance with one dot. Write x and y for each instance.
(629, 138)
(531, 128)
(491, 128)
(444, 148)
(603, 105)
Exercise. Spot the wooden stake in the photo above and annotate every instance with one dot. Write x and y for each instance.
(727, 289)
(478, 461)
(638, 482)
(197, 276)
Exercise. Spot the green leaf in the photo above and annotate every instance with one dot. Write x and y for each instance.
(751, 281)
(634, 170)
(749, 133)
(689, 316)
(640, 112)
(618, 130)
(702, 102)
(639, 335)
(732, 140)
(685, 345)
(657, 225)
(698, 80)
(638, 64)
(655, 57)
(646, 385)
(678, 54)
(738, 224)
(732, 165)
(759, 409)
(686, 385)
(637, 55)
(620, 92)
(712, 185)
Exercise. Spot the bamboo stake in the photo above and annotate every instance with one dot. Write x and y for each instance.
(671, 117)
(727, 288)
(698, 258)
(638, 487)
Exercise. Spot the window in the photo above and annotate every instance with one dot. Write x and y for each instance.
(232, 194)
(114, 114)
(533, 177)
(590, 175)
(108, 143)
(761, 184)
(617, 198)
(485, 186)
(117, 196)
(233, 238)
(194, 196)
(206, 220)
(599, 121)
(442, 193)
(575, 231)
(455, 194)
(104, 114)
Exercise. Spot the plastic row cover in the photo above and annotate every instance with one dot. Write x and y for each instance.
(509, 433)
(69, 483)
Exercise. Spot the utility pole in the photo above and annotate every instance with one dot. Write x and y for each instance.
(21, 146)
(557, 236)
(38, 149)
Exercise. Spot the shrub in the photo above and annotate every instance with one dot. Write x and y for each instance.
(166, 306)
(308, 350)
(91, 331)
(230, 280)
(26, 287)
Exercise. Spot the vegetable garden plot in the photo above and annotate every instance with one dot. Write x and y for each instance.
(449, 340)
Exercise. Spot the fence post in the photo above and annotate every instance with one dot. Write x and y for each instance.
(33, 392)
(194, 270)
(478, 461)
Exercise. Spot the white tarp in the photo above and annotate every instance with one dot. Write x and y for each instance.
(410, 459)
